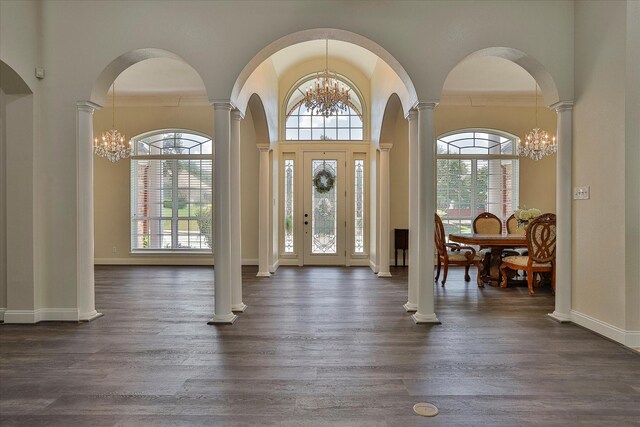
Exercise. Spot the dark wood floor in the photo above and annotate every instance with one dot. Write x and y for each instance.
(317, 346)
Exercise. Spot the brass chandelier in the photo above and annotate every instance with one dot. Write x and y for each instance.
(327, 95)
(537, 142)
(111, 145)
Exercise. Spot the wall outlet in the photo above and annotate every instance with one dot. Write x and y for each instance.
(114, 249)
(581, 193)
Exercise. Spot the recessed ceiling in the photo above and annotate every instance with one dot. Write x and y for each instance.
(348, 52)
(159, 76)
(488, 75)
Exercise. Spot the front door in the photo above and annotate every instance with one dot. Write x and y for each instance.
(324, 222)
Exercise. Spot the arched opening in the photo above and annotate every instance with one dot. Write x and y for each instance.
(160, 103)
(18, 201)
(347, 148)
(490, 97)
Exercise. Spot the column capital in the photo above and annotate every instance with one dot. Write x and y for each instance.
(385, 147)
(426, 105)
(88, 106)
(263, 148)
(562, 106)
(412, 115)
(221, 104)
(236, 114)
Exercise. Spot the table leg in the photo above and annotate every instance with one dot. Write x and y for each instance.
(494, 268)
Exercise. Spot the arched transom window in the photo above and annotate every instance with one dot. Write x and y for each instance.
(477, 172)
(171, 191)
(303, 125)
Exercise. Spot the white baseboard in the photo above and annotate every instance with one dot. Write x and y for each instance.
(2, 310)
(182, 260)
(41, 315)
(275, 266)
(628, 338)
(373, 266)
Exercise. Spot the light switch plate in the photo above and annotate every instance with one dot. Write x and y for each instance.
(581, 193)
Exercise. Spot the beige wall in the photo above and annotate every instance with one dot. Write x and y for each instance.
(112, 182)
(537, 179)
(599, 161)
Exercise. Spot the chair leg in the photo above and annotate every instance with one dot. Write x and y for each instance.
(503, 276)
(480, 272)
(466, 273)
(444, 273)
(530, 279)
(438, 269)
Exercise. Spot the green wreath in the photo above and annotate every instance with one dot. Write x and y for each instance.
(323, 181)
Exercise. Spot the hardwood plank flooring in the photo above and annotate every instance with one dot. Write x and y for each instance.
(317, 346)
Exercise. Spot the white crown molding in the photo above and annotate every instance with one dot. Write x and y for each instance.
(491, 100)
(160, 101)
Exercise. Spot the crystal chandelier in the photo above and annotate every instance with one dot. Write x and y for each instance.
(327, 96)
(112, 144)
(537, 143)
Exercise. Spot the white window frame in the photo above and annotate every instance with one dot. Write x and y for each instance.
(135, 156)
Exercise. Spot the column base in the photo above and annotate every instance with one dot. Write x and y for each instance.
(559, 317)
(384, 274)
(421, 318)
(263, 274)
(239, 308)
(225, 319)
(408, 306)
(88, 317)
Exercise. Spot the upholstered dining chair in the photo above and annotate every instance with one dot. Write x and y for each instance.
(453, 253)
(541, 244)
(486, 223)
(512, 226)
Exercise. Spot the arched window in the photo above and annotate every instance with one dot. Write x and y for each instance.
(171, 191)
(477, 172)
(302, 125)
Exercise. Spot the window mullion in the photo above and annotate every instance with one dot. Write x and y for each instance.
(174, 205)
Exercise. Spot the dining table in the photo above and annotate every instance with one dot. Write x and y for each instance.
(497, 243)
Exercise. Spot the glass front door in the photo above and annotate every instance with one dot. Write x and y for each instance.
(324, 222)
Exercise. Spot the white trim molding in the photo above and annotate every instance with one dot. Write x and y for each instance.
(41, 315)
(2, 310)
(166, 261)
(627, 338)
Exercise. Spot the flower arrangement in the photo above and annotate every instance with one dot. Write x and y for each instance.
(524, 216)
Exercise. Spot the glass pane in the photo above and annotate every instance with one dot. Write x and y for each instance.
(356, 122)
(292, 121)
(356, 134)
(330, 122)
(324, 201)
(343, 134)
(343, 121)
(292, 134)
(359, 207)
(316, 134)
(330, 134)
(305, 134)
(317, 121)
(288, 206)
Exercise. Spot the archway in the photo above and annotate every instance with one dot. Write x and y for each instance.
(85, 171)
(563, 166)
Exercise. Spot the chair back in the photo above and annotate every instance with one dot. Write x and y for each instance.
(440, 237)
(487, 223)
(512, 226)
(541, 238)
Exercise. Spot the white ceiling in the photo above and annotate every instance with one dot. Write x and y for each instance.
(488, 75)
(481, 75)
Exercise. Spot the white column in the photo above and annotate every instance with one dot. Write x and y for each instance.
(264, 207)
(385, 200)
(236, 215)
(414, 260)
(426, 213)
(564, 110)
(222, 214)
(84, 195)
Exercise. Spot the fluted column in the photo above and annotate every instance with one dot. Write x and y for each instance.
(426, 213)
(222, 214)
(85, 229)
(564, 110)
(236, 215)
(385, 200)
(264, 207)
(414, 260)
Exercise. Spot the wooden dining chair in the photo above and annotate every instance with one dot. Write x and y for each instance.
(455, 254)
(541, 244)
(487, 223)
(512, 226)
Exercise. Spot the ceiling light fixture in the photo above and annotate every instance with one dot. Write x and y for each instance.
(327, 96)
(112, 144)
(537, 142)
